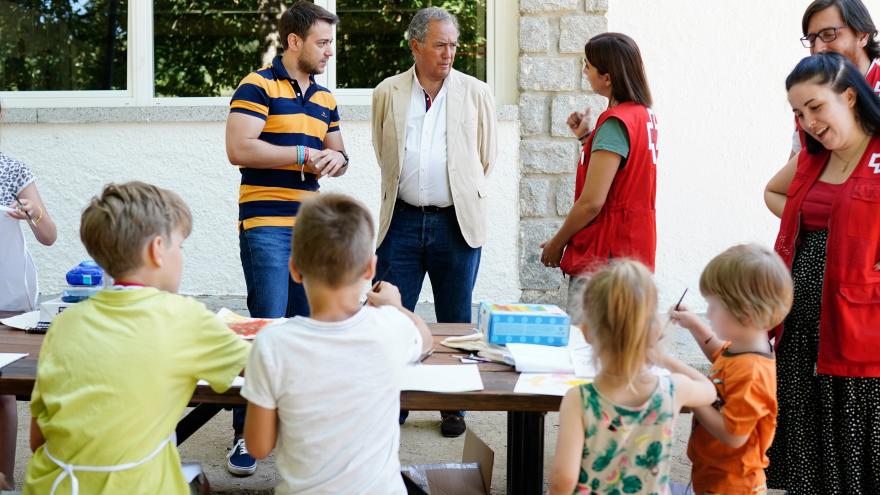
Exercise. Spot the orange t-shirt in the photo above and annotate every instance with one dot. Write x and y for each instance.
(746, 384)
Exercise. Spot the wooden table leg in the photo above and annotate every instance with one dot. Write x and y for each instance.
(194, 420)
(525, 453)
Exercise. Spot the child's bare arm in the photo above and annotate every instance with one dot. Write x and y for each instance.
(707, 340)
(260, 429)
(569, 446)
(36, 435)
(692, 389)
(713, 421)
(388, 295)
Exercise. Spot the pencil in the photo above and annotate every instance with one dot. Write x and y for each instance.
(426, 355)
(678, 304)
(375, 286)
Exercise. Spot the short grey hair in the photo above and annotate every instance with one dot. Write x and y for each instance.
(418, 26)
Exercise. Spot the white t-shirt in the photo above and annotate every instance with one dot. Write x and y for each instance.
(336, 388)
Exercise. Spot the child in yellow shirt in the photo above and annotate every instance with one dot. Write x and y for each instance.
(116, 371)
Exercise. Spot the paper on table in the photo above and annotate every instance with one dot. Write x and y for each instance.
(533, 358)
(442, 378)
(22, 321)
(237, 382)
(547, 383)
(7, 358)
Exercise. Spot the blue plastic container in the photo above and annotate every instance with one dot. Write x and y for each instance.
(86, 273)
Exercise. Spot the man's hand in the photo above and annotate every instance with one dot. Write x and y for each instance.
(327, 162)
(385, 295)
(579, 122)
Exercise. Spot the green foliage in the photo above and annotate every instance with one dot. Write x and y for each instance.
(50, 45)
(205, 47)
(371, 46)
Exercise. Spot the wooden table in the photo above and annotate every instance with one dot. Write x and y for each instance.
(525, 413)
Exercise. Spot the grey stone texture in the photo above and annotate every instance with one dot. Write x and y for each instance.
(564, 196)
(548, 157)
(548, 73)
(563, 105)
(534, 34)
(575, 30)
(534, 197)
(534, 114)
(542, 6)
(597, 6)
(533, 274)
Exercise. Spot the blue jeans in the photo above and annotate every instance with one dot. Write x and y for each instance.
(420, 243)
(271, 292)
(430, 243)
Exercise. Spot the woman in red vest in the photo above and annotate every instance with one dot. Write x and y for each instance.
(613, 214)
(828, 364)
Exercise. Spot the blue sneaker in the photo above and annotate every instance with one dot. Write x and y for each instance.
(238, 461)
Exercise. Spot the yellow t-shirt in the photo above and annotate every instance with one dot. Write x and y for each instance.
(114, 376)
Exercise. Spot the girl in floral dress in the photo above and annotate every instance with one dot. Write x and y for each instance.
(615, 434)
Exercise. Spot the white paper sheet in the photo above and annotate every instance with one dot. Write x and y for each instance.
(237, 382)
(22, 321)
(442, 378)
(7, 358)
(533, 358)
(547, 383)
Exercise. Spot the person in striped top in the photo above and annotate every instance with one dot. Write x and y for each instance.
(283, 134)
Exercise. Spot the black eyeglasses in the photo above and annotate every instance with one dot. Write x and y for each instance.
(827, 35)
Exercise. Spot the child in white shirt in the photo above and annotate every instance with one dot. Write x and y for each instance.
(326, 389)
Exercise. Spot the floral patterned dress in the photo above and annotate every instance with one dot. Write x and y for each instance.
(627, 449)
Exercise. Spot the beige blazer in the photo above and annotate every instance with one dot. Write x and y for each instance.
(471, 130)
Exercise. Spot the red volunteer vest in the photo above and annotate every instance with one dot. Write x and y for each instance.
(849, 326)
(873, 78)
(626, 225)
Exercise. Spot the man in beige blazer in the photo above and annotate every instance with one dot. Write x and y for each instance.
(434, 134)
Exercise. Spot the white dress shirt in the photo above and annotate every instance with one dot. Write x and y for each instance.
(424, 180)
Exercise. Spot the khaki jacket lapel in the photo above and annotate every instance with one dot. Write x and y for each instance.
(454, 108)
(400, 103)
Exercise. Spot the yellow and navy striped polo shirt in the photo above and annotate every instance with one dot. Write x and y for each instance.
(271, 197)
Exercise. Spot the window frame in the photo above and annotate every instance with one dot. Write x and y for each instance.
(140, 73)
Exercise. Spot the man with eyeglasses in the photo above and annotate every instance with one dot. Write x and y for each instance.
(434, 135)
(845, 27)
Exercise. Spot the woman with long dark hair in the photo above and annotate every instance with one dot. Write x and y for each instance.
(828, 434)
(613, 214)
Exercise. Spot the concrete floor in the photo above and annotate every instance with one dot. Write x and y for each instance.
(421, 442)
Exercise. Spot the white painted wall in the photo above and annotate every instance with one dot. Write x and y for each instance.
(72, 161)
(717, 73)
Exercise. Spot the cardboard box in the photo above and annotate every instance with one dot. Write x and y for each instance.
(50, 309)
(543, 324)
(472, 477)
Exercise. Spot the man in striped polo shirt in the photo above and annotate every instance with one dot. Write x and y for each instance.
(283, 133)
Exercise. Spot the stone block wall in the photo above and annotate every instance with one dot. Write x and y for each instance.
(552, 34)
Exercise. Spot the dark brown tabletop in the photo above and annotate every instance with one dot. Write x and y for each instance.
(525, 412)
(498, 379)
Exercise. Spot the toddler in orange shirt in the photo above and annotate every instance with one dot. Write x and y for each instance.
(749, 290)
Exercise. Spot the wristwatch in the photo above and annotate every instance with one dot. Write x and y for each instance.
(344, 155)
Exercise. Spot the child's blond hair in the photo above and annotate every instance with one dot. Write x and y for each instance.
(333, 243)
(752, 282)
(117, 225)
(620, 311)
